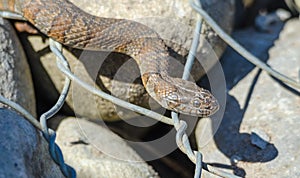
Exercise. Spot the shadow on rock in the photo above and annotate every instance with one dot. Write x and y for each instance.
(229, 140)
(233, 143)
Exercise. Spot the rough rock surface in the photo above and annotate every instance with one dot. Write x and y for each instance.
(155, 14)
(94, 151)
(23, 150)
(173, 20)
(257, 103)
(15, 77)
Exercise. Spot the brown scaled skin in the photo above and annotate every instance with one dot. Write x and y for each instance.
(64, 22)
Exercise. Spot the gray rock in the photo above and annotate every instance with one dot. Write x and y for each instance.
(294, 5)
(15, 77)
(248, 10)
(174, 20)
(23, 150)
(96, 152)
(257, 101)
(265, 20)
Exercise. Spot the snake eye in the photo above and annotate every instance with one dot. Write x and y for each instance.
(196, 103)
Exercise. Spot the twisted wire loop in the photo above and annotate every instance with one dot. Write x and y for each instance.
(181, 136)
(62, 64)
(48, 133)
(54, 149)
(180, 125)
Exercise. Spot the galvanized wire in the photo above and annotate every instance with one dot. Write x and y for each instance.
(44, 117)
(22, 111)
(48, 134)
(106, 96)
(195, 43)
(180, 125)
(198, 169)
(57, 156)
(181, 137)
(11, 15)
(241, 50)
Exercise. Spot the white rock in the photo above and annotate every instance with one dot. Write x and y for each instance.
(94, 151)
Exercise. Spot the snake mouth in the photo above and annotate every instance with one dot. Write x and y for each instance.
(204, 111)
(203, 105)
(214, 107)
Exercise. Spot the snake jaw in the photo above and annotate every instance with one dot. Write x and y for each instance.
(205, 103)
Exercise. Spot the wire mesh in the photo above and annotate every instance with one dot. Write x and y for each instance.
(180, 126)
(241, 50)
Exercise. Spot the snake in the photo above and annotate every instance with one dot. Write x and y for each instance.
(69, 25)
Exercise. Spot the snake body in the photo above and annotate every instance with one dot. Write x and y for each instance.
(66, 23)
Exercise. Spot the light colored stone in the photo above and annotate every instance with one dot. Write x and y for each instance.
(258, 102)
(96, 152)
(15, 77)
(23, 150)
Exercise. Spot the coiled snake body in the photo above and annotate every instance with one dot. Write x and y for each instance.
(64, 22)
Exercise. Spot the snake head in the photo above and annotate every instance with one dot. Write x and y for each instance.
(190, 99)
(180, 95)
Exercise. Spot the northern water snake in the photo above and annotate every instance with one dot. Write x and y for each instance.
(66, 23)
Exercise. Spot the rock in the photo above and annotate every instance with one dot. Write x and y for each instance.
(96, 152)
(169, 18)
(264, 20)
(294, 5)
(15, 76)
(23, 150)
(248, 10)
(258, 101)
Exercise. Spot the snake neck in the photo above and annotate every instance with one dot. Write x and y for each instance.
(64, 22)
(159, 87)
